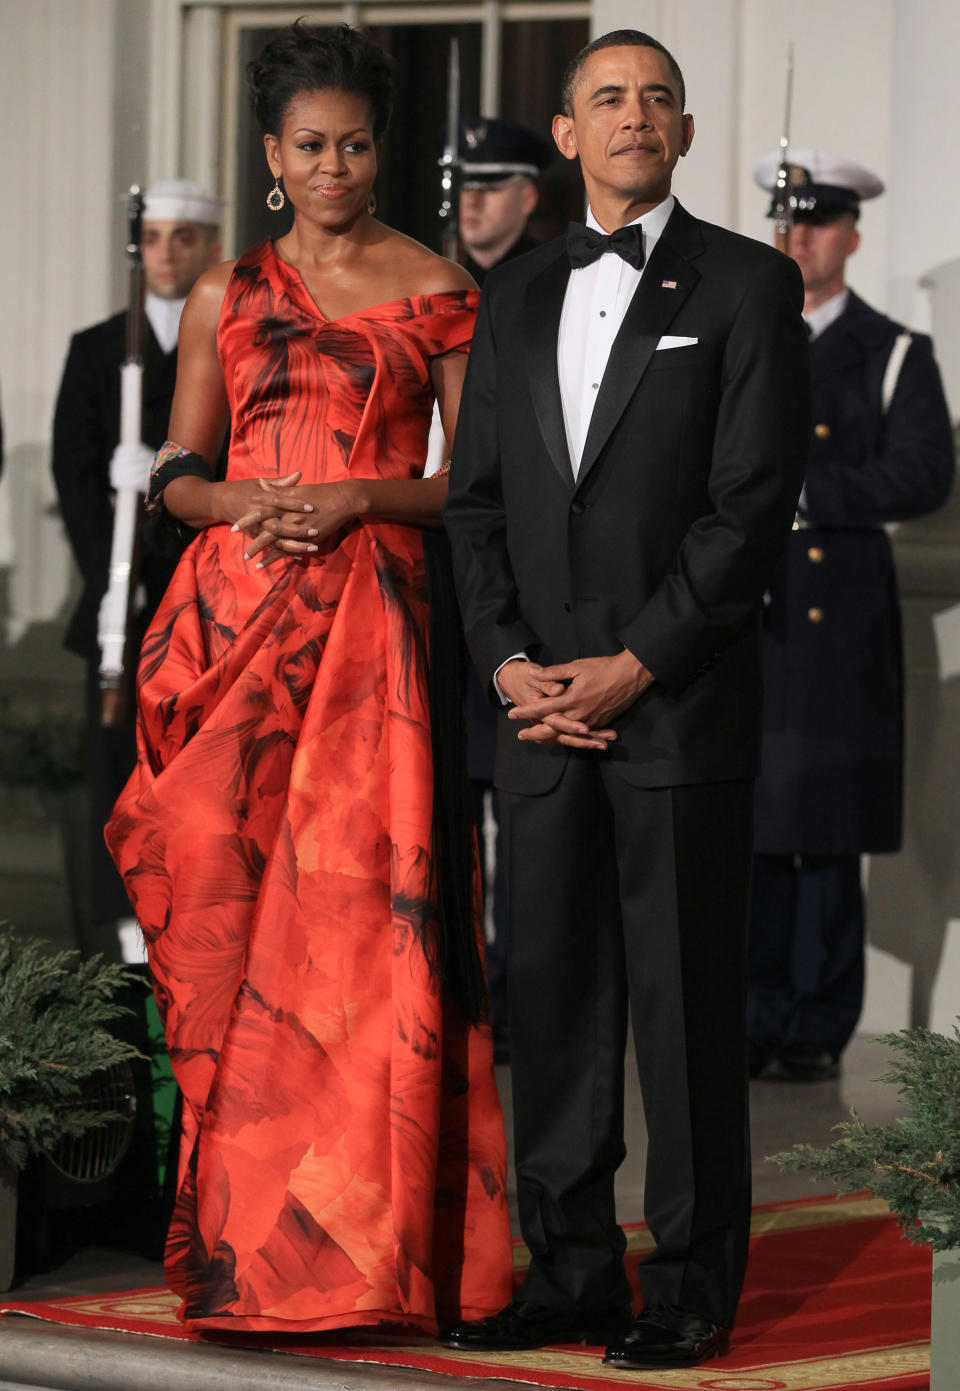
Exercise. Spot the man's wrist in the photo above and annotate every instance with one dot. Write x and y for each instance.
(517, 657)
(637, 673)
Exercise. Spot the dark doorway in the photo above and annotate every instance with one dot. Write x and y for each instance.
(533, 55)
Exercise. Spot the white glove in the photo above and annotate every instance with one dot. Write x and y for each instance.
(130, 466)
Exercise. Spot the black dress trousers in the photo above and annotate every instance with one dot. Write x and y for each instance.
(622, 896)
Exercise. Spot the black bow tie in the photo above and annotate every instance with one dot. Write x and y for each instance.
(584, 245)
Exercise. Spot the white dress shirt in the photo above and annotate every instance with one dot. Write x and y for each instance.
(595, 302)
(596, 299)
(164, 316)
(823, 316)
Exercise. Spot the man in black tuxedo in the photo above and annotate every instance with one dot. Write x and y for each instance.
(630, 449)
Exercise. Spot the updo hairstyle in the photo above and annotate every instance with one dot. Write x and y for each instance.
(306, 58)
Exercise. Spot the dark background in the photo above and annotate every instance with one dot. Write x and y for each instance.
(532, 58)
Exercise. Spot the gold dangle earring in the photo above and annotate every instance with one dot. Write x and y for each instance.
(371, 202)
(275, 198)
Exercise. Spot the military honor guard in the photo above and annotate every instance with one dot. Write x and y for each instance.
(500, 163)
(830, 789)
(180, 240)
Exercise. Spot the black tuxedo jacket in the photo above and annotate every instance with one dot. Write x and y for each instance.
(86, 429)
(685, 496)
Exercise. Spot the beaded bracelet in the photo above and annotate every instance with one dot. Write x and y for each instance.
(172, 461)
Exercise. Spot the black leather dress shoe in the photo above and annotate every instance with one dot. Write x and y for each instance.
(801, 1062)
(665, 1336)
(521, 1325)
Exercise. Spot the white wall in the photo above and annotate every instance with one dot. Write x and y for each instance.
(840, 103)
(56, 147)
(924, 243)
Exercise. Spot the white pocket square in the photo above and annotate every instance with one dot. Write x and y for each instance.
(670, 341)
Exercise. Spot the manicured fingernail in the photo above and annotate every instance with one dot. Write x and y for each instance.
(235, 527)
(260, 565)
(308, 507)
(313, 531)
(246, 555)
(313, 548)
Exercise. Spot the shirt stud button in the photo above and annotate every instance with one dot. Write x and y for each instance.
(603, 313)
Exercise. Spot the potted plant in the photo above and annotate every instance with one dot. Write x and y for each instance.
(40, 748)
(914, 1165)
(54, 1042)
(42, 774)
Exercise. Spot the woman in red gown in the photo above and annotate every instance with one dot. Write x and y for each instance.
(343, 1159)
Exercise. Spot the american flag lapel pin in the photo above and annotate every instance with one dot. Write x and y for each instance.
(668, 284)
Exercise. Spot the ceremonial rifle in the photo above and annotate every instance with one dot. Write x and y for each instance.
(781, 207)
(450, 162)
(115, 609)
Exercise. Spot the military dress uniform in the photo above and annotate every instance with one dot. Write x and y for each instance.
(493, 152)
(830, 788)
(85, 433)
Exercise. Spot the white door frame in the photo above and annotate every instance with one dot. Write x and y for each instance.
(195, 74)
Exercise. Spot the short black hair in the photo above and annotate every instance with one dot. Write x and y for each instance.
(306, 58)
(617, 38)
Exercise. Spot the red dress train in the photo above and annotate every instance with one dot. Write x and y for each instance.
(343, 1157)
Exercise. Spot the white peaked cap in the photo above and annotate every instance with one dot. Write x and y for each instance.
(179, 200)
(822, 168)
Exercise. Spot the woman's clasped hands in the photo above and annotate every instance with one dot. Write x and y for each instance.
(282, 518)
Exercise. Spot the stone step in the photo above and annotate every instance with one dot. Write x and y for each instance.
(37, 1356)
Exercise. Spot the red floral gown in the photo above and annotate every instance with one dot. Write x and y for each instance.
(343, 1158)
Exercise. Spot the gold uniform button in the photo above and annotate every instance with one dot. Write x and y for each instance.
(822, 432)
(815, 615)
(815, 554)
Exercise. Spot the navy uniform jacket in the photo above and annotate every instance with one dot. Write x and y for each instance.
(86, 429)
(831, 777)
(481, 716)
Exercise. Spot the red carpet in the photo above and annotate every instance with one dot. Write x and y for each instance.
(835, 1298)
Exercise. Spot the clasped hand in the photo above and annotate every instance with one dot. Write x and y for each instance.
(282, 519)
(573, 703)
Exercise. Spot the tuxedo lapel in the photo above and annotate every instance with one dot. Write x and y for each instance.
(666, 282)
(542, 309)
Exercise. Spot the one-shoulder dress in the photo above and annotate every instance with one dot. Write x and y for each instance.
(342, 1159)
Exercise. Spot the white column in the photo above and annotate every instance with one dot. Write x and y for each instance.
(166, 89)
(924, 242)
(200, 131)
